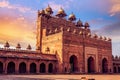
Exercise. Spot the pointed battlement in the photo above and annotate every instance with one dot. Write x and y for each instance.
(116, 58)
(49, 24)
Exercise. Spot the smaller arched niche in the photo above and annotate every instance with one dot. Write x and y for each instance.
(42, 68)
(91, 65)
(1, 67)
(104, 65)
(73, 63)
(50, 68)
(22, 67)
(11, 67)
(32, 68)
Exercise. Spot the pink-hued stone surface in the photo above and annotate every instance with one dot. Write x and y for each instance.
(59, 77)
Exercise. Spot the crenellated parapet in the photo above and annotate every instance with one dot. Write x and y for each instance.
(116, 58)
(94, 40)
(97, 37)
(53, 24)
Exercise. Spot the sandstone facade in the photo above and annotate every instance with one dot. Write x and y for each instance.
(63, 46)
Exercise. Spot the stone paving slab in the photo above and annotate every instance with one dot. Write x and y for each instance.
(60, 77)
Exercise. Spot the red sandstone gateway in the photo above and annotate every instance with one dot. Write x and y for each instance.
(63, 46)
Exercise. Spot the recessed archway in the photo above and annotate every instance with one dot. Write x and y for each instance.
(32, 68)
(22, 67)
(42, 68)
(91, 65)
(104, 65)
(50, 68)
(118, 69)
(1, 67)
(115, 70)
(11, 67)
(73, 63)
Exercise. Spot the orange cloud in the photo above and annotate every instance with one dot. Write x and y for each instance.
(115, 7)
(14, 27)
(17, 30)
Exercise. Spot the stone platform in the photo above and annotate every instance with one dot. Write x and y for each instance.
(60, 77)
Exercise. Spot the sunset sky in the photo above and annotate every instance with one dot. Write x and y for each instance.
(18, 19)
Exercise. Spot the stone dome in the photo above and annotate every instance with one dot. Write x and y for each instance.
(79, 23)
(72, 17)
(18, 46)
(7, 45)
(29, 47)
(48, 10)
(41, 12)
(61, 13)
(47, 49)
(86, 25)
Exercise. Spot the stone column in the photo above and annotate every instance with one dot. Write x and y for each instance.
(28, 68)
(16, 67)
(84, 68)
(55, 68)
(5, 68)
(46, 68)
(97, 63)
(37, 68)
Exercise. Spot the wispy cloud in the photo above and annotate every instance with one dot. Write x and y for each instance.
(6, 4)
(16, 27)
(115, 9)
(55, 5)
(112, 31)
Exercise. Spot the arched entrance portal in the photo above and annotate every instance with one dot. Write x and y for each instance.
(91, 65)
(11, 67)
(1, 67)
(50, 68)
(73, 63)
(104, 65)
(22, 68)
(42, 68)
(32, 68)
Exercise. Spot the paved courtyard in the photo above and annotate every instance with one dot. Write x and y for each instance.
(60, 77)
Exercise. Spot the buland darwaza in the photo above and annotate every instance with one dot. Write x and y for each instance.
(63, 46)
